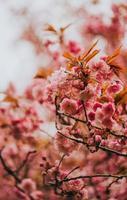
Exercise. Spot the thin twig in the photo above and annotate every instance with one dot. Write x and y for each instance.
(94, 176)
(71, 117)
(10, 171)
(106, 149)
(71, 172)
(25, 161)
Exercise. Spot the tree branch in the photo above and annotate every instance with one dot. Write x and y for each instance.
(94, 176)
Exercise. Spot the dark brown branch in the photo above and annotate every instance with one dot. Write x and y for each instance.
(73, 139)
(61, 160)
(71, 117)
(14, 174)
(25, 161)
(71, 172)
(106, 149)
(85, 112)
(112, 151)
(93, 126)
(114, 181)
(10, 171)
(116, 135)
(94, 176)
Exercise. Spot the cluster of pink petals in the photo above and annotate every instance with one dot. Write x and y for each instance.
(69, 106)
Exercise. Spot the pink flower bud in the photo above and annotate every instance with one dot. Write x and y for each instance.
(98, 138)
(91, 116)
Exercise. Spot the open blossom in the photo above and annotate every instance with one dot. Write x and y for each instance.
(28, 184)
(69, 106)
(115, 88)
(74, 185)
(108, 109)
(107, 122)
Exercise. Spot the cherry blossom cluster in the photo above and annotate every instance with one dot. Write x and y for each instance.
(90, 103)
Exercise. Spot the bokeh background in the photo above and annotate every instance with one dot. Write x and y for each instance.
(18, 58)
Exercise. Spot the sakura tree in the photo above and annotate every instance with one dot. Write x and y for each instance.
(84, 94)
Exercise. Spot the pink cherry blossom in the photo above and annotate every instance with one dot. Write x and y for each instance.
(69, 106)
